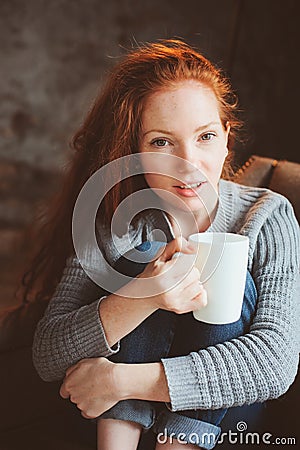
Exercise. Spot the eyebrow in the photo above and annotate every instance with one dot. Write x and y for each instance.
(202, 127)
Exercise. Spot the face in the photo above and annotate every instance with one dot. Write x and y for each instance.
(184, 121)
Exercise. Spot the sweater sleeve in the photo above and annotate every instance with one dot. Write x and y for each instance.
(70, 329)
(262, 364)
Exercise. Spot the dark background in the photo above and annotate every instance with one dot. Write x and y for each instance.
(55, 55)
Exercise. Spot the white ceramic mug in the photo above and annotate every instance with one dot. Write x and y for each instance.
(222, 261)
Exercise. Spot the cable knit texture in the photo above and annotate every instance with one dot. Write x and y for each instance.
(255, 367)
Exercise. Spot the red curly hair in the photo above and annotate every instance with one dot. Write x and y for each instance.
(111, 130)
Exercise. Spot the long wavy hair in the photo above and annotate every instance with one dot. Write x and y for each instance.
(111, 130)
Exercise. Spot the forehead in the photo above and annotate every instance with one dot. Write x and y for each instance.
(184, 100)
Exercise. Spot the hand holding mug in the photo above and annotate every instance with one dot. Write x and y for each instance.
(175, 282)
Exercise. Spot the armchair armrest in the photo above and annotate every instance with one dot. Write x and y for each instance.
(257, 171)
(279, 176)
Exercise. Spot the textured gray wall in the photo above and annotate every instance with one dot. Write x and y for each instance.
(55, 54)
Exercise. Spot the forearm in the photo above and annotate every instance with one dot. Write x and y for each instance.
(123, 311)
(120, 313)
(142, 382)
(62, 341)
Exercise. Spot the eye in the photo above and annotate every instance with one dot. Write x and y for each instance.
(160, 142)
(208, 136)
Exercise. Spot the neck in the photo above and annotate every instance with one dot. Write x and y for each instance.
(187, 223)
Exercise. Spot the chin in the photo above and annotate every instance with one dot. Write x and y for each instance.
(192, 205)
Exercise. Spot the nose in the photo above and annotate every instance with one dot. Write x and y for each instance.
(187, 159)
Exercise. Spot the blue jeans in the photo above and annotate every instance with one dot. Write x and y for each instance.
(159, 336)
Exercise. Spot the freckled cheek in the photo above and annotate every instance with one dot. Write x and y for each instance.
(212, 161)
(150, 162)
(157, 181)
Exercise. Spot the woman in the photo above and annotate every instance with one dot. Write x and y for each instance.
(180, 375)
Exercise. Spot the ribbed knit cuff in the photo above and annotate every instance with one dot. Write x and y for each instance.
(90, 334)
(182, 378)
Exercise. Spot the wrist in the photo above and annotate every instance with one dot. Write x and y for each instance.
(122, 312)
(130, 291)
(123, 386)
(142, 382)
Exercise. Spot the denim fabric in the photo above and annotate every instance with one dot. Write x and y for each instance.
(160, 335)
(138, 411)
(171, 426)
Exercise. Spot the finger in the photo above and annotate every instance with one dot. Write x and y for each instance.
(192, 277)
(87, 417)
(63, 392)
(193, 289)
(200, 299)
(70, 370)
(194, 274)
(179, 244)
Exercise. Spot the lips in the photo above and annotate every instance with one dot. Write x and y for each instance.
(190, 189)
(190, 185)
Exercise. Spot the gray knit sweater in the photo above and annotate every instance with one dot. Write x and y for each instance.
(255, 367)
